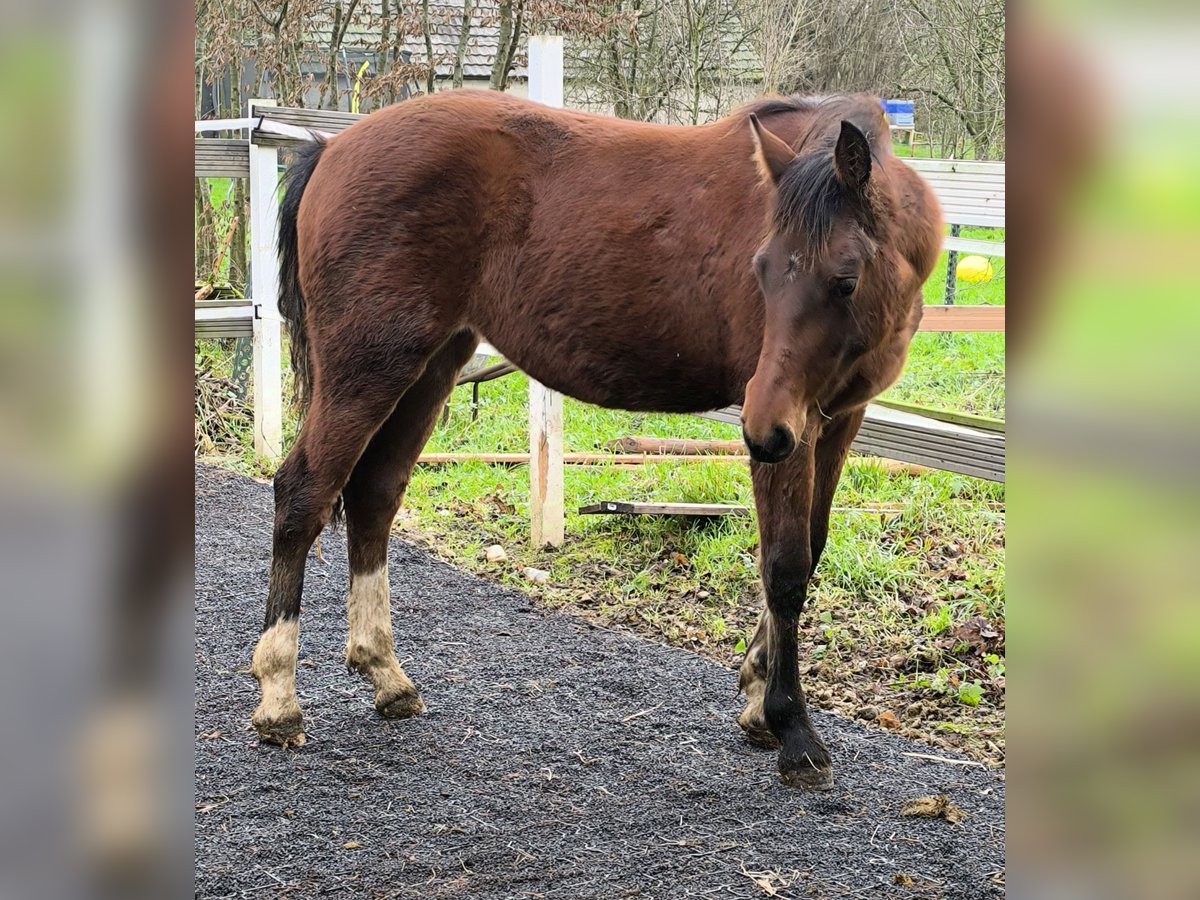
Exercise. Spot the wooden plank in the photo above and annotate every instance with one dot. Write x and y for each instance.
(319, 119)
(978, 202)
(958, 166)
(224, 329)
(970, 245)
(545, 68)
(957, 205)
(937, 429)
(966, 182)
(988, 469)
(676, 446)
(990, 190)
(963, 449)
(730, 415)
(622, 507)
(985, 423)
(574, 459)
(962, 318)
(916, 440)
(961, 216)
(222, 158)
(293, 126)
(224, 318)
(264, 280)
(232, 303)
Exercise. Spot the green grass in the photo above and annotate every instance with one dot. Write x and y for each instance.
(221, 207)
(963, 372)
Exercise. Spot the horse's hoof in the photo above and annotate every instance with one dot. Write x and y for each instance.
(756, 731)
(808, 778)
(403, 705)
(286, 729)
(807, 767)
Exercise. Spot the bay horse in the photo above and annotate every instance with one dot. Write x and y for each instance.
(773, 258)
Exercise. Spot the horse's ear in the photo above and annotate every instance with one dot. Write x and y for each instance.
(770, 152)
(852, 157)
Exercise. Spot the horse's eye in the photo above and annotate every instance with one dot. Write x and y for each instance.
(844, 287)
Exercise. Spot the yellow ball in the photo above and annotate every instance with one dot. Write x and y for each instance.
(974, 269)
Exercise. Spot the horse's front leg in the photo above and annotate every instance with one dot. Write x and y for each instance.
(783, 494)
(829, 458)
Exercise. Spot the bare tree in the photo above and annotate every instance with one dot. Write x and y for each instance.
(341, 22)
(955, 67)
(671, 60)
(511, 21)
(464, 36)
(945, 55)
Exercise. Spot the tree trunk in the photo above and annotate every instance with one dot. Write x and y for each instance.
(426, 25)
(330, 84)
(381, 58)
(464, 35)
(504, 40)
(237, 250)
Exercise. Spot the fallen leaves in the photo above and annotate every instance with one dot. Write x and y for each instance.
(888, 719)
(936, 807)
(770, 883)
(980, 634)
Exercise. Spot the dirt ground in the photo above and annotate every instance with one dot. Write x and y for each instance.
(557, 759)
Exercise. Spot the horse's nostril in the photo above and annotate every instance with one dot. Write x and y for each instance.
(777, 447)
(782, 442)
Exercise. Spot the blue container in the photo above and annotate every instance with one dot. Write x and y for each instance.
(900, 113)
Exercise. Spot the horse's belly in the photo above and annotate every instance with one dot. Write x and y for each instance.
(645, 380)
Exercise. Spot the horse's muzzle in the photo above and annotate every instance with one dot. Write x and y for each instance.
(777, 447)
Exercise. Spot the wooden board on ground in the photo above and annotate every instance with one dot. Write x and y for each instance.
(918, 439)
(945, 415)
(571, 459)
(622, 507)
(962, 318)
(676, 446)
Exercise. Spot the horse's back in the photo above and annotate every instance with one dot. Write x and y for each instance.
(557, 235)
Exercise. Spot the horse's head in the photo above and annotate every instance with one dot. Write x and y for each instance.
(840, 279)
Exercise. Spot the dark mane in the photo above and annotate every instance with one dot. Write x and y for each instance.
(770, 106)
(810, 197)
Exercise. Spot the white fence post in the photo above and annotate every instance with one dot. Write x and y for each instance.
(264, 290)
(545, 406)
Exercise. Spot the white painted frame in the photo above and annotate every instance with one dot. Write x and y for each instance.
(264, 291)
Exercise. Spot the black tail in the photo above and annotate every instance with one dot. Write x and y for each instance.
(291, 300)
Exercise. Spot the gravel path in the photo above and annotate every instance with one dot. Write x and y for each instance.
(556, 760)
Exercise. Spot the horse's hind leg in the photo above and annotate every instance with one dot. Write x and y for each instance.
(372, 497)
(354, 394)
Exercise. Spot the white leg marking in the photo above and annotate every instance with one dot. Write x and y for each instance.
(369, 609)
(370, 648)
(277, 717)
